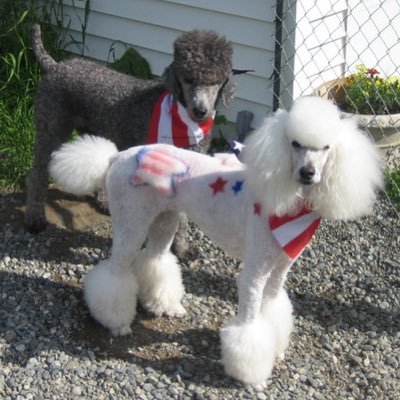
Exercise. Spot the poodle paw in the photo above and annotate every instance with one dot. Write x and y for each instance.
(111, 297)
(121, 331)
(248, 350)
(177, 312)
(278, 312)
(160, 285)
(261, 386)
(280, 356)
(159, 308)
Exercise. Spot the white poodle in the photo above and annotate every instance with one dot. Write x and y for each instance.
(300, 166)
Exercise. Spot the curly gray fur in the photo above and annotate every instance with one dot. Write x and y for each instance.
(91, 98)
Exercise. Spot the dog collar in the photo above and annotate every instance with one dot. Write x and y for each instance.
(170, 123)
(293, 232)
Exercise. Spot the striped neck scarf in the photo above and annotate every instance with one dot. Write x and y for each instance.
(293, 232)
(171, 124)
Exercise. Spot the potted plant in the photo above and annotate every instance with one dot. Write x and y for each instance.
(372, 99)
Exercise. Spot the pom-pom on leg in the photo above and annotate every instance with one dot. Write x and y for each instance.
(248, 350)
(111, 295)
(278, 312)
(160, 284)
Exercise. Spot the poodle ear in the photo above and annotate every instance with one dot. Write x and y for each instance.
(352, 175)
(269, 166)
(171, 83)
(228, 90)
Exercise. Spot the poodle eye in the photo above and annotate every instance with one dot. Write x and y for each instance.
(326, 147)
(188, 81)
(296, 144)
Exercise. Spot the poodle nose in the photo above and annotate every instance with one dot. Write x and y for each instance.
(199, 112)
(306, 174)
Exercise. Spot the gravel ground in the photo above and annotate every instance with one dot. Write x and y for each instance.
(345, 290)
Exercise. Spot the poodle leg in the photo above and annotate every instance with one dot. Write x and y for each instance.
(247, 350)
(157, 269)
(101, 200)
(50, 135)
(111, 287)
(277, 308)
(248, 340)
(180, 246)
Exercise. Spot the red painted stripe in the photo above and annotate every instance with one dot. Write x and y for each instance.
(276, 222)
(295, 247)
(152, 135)
(153, 169)
(160, 157)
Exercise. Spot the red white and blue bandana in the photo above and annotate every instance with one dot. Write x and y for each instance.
(170, 124)
(293, 232)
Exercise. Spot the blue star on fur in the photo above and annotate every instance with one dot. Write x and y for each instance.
(237, 187)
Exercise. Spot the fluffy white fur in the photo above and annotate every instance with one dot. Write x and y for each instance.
(248, 349)
(279, 312)
(305, 157)
(111, 297)
(160, 284)
(350, 176)
(87, 160)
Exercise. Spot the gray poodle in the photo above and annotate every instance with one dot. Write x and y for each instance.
(89, 97)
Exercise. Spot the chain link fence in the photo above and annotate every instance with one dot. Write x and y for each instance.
(347, 51)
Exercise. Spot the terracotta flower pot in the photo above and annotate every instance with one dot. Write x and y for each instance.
(384, 129)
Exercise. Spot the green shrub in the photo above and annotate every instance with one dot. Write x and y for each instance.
(368, 93)
(132, 63)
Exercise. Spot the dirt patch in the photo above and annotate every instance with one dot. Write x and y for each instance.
(62, 210)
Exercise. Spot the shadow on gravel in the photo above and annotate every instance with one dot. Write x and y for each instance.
(220, 286)
(360, 314)
(38, 315)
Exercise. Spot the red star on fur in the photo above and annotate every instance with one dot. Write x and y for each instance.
(218, 185)
(257, 209)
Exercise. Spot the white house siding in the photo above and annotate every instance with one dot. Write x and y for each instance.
(373, 31)
(151, 26)
(313, 45)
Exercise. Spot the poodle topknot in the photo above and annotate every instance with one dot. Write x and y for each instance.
(203, 57)
(322, 131)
